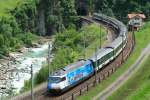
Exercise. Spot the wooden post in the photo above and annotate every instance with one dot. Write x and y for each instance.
(72, 96)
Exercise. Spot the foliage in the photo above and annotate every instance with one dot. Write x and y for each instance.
(69, 47)
(137, 87)
(60, 14)
(25, 15)
(11, 36)
(6, 5)
(19, 23)
(141, 42)
(120, 8)
(26, 85)
(16, 27)
(21, 17)
(138, 80)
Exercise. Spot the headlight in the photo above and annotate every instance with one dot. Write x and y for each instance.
(55, 86)
(49, 86)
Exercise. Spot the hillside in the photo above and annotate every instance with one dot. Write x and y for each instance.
(142, 40)
(71, 49)
(137, 87)
(23, 22)
(6, 5)
(29, 18)
(12, 25)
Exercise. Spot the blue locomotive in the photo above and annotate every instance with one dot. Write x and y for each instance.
(77, 72)
(70, 76)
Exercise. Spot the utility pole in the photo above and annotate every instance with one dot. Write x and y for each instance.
(122, 45)
(133, 35)
(84, 38)
(32, 95)
(48, 59)
(122, 49)
(100, 36)
(96, 65)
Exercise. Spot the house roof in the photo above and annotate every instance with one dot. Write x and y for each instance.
(133, 15)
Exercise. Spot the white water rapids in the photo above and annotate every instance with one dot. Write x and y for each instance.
(19, 70)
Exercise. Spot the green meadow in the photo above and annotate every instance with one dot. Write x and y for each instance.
(137, 87)
(7, 5)
(142, 40)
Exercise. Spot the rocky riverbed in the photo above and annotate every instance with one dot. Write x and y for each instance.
(15, 69)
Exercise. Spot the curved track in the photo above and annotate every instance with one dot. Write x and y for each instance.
(40, 93)
(125, 76)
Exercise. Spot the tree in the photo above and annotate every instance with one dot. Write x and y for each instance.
(69, 14)
(90, 6)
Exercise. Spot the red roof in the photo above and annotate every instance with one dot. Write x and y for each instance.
(133, 15)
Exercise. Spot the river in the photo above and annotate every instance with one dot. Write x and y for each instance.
(18, 70)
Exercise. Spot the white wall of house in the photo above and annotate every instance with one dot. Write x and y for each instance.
(136, 21)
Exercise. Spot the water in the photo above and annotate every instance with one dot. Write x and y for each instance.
(22, 66)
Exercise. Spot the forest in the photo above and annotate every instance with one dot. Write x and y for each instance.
(31, 19)
(46, 17)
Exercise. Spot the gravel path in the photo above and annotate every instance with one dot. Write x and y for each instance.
(125, 76)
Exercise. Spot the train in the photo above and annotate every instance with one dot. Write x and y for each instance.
(75, 73)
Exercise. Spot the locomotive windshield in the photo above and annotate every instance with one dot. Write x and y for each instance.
(55, 79)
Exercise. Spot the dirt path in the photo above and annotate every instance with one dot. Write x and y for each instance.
(125, 76)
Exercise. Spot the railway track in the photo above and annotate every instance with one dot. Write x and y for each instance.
(41, 94)
(125, 76)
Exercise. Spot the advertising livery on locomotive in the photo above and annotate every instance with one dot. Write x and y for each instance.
(77, 72)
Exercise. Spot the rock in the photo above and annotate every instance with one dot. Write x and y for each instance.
(35, 45)
(22, 50)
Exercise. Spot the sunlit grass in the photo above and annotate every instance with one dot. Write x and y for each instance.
(7, 5)
(137, 87)
(142, 39)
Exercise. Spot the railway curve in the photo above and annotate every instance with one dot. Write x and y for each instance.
(40, 92)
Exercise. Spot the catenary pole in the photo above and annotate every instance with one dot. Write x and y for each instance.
(32, 95)
(96, 64)
(48, 60)
(100, 36)
(84, 41)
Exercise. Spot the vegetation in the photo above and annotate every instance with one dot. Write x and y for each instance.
(60, 14)
(22, 20)
(19, 21)
(6, 5)
(12, 37)
(69, 47)
(137, 87)
(38, 17)
(14, 32)
(142, 40)
(120, 8)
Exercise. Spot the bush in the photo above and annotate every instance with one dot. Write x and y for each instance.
(68, 48)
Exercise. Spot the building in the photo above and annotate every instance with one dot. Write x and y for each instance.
(135, 20)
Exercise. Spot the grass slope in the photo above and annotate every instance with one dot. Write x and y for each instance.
(7, 5)
(137, 87)
(142, 39)
(70, 49)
